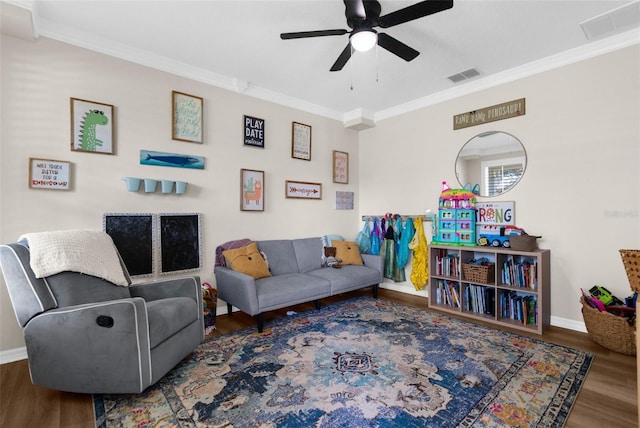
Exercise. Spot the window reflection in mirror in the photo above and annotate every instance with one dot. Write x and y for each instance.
(494, 160)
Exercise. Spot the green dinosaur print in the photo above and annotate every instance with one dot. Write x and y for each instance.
(88, 139)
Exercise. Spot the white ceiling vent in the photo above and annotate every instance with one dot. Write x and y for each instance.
(616, 21)
(464, 75)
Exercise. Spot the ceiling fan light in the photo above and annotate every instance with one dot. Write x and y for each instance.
(362, 41)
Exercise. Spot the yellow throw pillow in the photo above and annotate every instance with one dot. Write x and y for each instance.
(247, 260)
(348, 252)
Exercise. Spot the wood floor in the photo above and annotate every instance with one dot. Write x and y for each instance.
(608, 396)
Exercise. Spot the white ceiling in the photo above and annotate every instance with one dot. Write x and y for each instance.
(236, 45)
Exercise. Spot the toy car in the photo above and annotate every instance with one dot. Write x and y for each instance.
(499, 239)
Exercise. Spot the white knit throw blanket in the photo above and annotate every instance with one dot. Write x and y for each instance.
(85, 251)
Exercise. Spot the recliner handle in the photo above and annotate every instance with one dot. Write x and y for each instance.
(104, 321)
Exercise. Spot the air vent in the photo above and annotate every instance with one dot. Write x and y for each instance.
(616, 21)
(464, 75)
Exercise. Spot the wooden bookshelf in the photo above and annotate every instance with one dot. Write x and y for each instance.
(515, 293)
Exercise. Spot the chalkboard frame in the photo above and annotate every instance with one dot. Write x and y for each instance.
(180, 240)
(131, 243)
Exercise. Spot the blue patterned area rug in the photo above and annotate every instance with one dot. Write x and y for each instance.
(361, 362)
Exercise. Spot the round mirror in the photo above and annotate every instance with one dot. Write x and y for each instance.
(491, 163)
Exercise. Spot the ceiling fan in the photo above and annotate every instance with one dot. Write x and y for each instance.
(363, 16)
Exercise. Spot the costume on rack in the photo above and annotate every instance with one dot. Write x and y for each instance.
(420, 267)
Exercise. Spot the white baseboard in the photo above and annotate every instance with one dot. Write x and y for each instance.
(11, 355)
(568, 324)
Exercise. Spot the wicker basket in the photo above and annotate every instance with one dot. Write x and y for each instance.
(523, 242)
(483, 274)
(631, 260)
(611, 331)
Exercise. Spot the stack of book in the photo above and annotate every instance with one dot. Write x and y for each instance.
(447, 264)
(520, 272)
(447, 293)
(519, 308)
(479, 299)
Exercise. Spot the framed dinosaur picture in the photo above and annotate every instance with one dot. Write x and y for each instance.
(91, 127)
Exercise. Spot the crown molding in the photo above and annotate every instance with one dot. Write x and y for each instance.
(562, 59)
(349, 119)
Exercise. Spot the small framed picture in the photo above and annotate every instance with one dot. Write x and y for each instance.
(340, 167)
(91, 127)
(253, 132)
(300, 141)
(303, 190)
(186, 117)
(49, 174)
(251, 190)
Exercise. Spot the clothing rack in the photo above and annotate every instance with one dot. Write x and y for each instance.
(425, 217)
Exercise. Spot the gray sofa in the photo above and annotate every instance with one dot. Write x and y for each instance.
(85, 334)
(297, 277)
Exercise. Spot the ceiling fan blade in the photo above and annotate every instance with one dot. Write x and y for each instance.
(354, 9)
(342, 59)
(396, 47)
(415, 11)
(304, 34)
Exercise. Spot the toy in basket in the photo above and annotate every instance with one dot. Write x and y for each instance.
(210, 303)
(610, 325)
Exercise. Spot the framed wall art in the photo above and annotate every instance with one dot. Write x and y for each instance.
(186, 117)
(253, 132)
(340, 167)
(303, 190)
(251, 190)
(176, 160)
(300, 141)
(133, 236)
(49, 174)
(91, 127)
(180, 243)
(344, 200)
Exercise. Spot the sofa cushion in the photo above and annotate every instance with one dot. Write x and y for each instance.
(308, 253)
(168, 316)
(282, 257)
(289, 289)
(248, 261)
(348, 252)
(348, 277)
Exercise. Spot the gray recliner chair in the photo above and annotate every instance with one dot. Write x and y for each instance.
(84, 334)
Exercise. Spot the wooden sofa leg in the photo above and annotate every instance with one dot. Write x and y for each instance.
(260, 322)
(317, 303)
(229, 309)
(375, 291)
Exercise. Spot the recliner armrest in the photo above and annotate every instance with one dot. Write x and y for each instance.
(175, 287)
(100, 347)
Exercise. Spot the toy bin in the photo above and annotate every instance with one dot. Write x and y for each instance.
(631, 261)
(611, 331)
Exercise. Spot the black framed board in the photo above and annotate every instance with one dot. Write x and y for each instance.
(133, 236)
(180, 242)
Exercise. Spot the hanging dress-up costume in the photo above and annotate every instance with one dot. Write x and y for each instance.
(420, 267)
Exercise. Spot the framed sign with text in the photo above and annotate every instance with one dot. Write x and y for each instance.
(49, 174)
(303, 190)
(253, 132)
(300, 141)
(186, 117)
